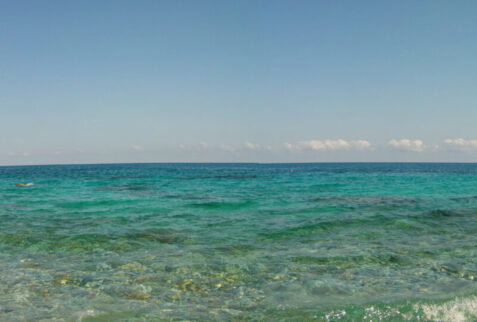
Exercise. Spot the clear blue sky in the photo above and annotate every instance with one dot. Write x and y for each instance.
(268, 81)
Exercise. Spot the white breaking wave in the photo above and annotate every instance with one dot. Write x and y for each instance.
(460, 309)
(457, 310)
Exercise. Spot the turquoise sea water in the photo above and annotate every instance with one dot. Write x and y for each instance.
(239, 242)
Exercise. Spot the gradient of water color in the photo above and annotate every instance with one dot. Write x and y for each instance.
(239, 242)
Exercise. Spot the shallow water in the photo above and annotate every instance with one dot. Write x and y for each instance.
(239, 242)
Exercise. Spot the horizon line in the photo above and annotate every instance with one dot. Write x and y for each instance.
(239, 162)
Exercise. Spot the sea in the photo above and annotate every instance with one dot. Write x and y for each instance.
(239, 242)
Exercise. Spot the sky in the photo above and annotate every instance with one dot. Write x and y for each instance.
(237, 81)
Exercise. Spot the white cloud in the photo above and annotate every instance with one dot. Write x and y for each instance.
(252, 146)
(137, 148)
(461, 144)
(362, 144)
(328, 145)
(273, 148)
(288, 146)
(408, 145)
(19, 154)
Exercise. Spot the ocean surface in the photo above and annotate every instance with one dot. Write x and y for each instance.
(215, 242)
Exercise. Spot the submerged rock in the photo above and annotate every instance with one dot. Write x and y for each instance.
(134, 266)
(30, 265)
(165, 236)
(451, 268)
(137, 295)
(61, 279)
(19, 184)
(137, 292)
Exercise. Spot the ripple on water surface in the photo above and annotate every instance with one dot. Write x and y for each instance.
(225, 242)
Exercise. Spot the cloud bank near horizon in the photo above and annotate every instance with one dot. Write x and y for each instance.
(461, 145)
(407, 145)
(398, 149)
(328, 145)
(337, 145)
